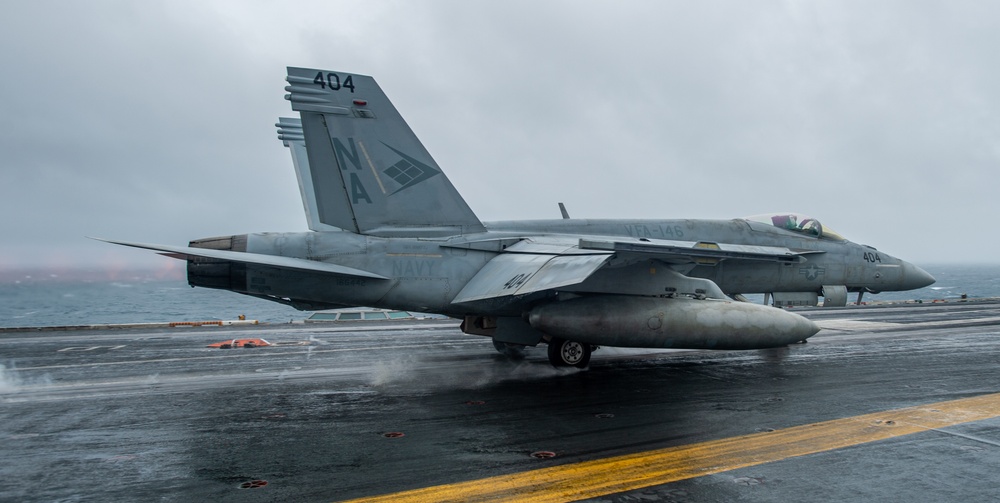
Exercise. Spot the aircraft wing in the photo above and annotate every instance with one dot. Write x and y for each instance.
(523, 273)
(551, 245)
(186, 252)
(532, 264)
(539, 263)
(690, 251)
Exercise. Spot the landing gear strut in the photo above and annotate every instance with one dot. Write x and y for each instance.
(563, 353)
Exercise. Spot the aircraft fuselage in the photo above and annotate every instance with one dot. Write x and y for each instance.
(427, 273)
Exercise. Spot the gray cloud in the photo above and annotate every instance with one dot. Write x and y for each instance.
(152, 121)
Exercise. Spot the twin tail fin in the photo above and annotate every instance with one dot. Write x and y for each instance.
(365, 171)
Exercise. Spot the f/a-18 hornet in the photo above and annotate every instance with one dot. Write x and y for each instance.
(389, 230)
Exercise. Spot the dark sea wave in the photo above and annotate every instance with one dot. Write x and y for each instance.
(47, 301)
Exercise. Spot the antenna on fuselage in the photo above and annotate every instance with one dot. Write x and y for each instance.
(562, 209)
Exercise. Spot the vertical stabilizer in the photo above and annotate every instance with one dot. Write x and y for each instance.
(369, 172)
(290, 134)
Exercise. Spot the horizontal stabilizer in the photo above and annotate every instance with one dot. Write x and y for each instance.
(185, 252)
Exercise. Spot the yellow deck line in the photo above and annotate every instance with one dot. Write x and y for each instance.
(599, 477)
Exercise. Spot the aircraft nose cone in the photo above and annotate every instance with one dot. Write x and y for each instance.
(915, 277)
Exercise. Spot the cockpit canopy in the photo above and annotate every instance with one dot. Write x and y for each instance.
(796, 222)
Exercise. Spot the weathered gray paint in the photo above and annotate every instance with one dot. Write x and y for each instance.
(391, 231)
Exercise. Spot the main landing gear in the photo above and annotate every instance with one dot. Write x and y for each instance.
(563, 353)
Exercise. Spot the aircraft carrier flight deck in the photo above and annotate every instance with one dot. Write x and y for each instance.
(886, 403)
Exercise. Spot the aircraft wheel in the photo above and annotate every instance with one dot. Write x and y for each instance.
(563, 353)
(514, 351)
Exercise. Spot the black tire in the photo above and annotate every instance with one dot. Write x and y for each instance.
(563, 353)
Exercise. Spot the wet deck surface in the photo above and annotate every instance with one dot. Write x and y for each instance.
(140, 415)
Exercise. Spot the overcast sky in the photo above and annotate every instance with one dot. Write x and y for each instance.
(153, 121)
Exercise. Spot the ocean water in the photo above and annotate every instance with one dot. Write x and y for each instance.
(47, 301)
(953, 281)
(52, 302)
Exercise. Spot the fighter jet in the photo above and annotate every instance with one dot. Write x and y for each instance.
(389, 230)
